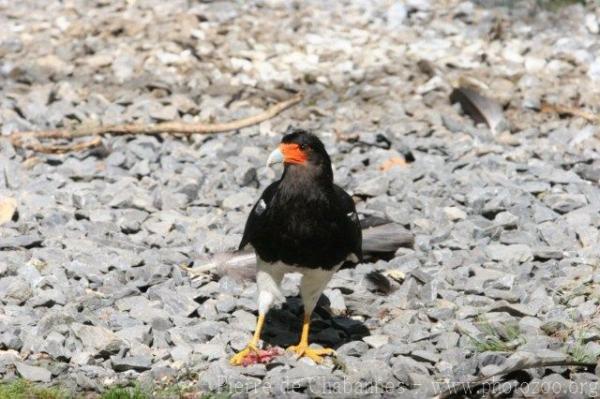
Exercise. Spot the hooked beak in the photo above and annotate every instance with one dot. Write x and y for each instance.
(275, 157)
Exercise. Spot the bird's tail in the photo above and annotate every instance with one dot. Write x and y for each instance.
(239, 265)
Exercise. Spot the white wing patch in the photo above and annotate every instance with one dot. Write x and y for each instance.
(260, 207)
(353, 216)
(352, 258)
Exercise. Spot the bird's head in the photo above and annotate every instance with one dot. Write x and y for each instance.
(301, 149)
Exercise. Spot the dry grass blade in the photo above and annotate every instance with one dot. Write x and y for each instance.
(58, 148)
(562, 110)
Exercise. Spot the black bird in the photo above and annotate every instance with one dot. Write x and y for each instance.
(302, 223)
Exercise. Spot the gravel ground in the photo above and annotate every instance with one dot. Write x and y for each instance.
(505, 263)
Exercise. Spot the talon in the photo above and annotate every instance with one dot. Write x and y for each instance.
(238, 358)
(316, 354)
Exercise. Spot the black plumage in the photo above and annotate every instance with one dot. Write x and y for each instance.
(304, 219)
(302, 223)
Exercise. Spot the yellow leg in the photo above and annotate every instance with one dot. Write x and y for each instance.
(239, 357)
(302, 349)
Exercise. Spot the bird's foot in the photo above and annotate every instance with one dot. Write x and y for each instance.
(252, 355)
(316, 354)
(240, 358)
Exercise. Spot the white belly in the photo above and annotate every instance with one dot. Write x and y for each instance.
(269, 276)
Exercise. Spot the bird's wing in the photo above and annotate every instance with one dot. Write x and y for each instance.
(256, 217)
(354, 231)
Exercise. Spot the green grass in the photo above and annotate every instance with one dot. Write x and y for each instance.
(555, 5)
(125, 393)
(495, 340)
(21, 389)
(174, 391)
(222, 395)
(580, 353)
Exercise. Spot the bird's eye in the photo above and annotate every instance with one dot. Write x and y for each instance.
(302, 146)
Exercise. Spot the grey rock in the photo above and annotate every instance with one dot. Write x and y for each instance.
(130, 221)
(210, 351)
(181, 353)
(123, 66)
(159, 227)
(564, 203)
(509, 253)
(244, 320)
(54, 346)
(245, 176)
(372, 187)
(22, 241)
(543, 214)
(116, 158)
(238, 200)
(33, 373)
(396, 14)
(48, 298)
(555, 236)
(16, 290)
(176, 301)
(30, 274)
(354, 348)
(506, 219)
(226, 304)
(425, 356)
(453, 213)
(166, 113)
(162, 373)
(136, 334)
(490, 358)
(548, 253)
(8, 358)
(10, 340)
(551, 356)
(376, 341)
(137, 363)
(448, 340)
(407, 370)
(141, 168)
(337, 304)
(98, 340)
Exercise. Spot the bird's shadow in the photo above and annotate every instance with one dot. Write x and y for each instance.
(283, 325)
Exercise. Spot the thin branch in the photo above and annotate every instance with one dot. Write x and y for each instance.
(18, 138)
(59, 148)
(462, 388)
(566, 110)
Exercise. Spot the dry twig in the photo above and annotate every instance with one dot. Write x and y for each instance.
(19, 139)
(571, 111)
(59, 148)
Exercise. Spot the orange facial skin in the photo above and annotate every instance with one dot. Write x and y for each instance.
(292, 154)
